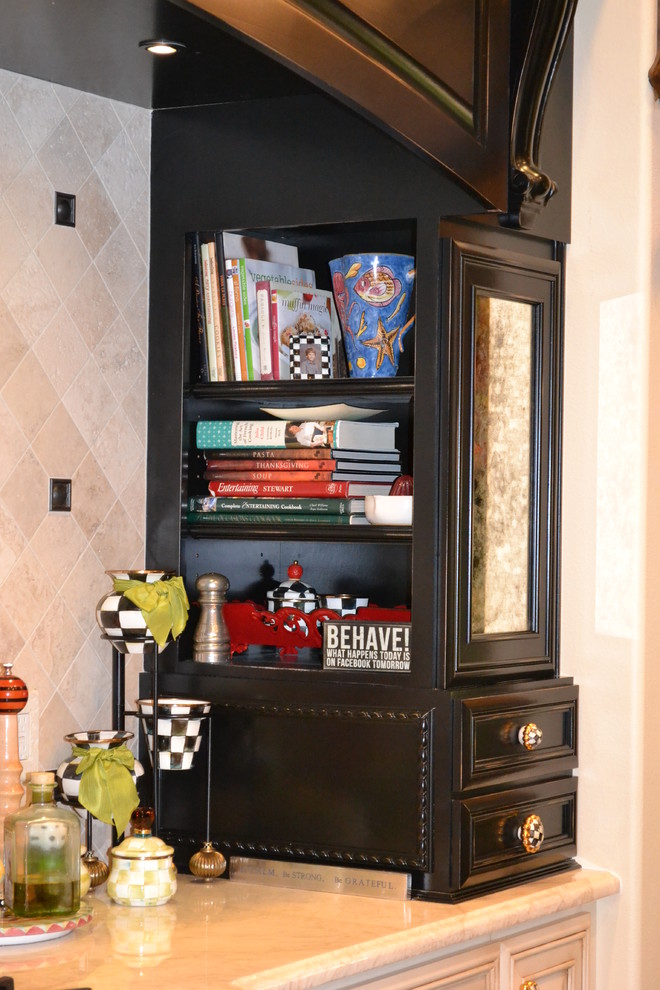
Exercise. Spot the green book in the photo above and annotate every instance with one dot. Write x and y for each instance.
(212, 504)
(273, 518)
(247, 328)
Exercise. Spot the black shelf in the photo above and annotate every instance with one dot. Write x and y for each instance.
(338, 534)
(357, 389)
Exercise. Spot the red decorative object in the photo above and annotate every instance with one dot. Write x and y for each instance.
(295, 571)
(288, 629)
(13, 692)
(402, 486)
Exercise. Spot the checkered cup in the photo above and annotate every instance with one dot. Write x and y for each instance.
(178, 729)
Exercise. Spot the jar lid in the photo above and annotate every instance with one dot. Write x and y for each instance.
(42, 778)
(142, 847)
(293, 589)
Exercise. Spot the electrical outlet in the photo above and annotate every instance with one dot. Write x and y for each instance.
(23, 719)
(59, 495)
(28, 734)
(65, 209)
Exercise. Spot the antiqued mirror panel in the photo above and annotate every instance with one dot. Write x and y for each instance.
(504, 510)
(502, 597)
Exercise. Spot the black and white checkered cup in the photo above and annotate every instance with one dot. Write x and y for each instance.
(178, 729)
(343, 604)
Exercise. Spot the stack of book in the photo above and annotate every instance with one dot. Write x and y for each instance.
(250, 297)
(280, 471)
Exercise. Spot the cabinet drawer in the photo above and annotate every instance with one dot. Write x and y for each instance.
(515, 832)
(553, 957)
(509, 737)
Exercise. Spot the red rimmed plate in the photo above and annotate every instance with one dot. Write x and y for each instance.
(21, 931)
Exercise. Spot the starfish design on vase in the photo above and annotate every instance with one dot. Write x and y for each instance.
(383, 342)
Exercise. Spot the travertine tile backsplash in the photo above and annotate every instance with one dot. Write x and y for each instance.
(73, 345)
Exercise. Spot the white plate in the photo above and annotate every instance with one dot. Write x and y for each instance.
(25, 931)
(339, 410)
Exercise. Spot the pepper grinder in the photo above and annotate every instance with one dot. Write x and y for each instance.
(211, 636)
(13, 699)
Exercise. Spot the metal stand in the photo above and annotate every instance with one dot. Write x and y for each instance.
(119, 713)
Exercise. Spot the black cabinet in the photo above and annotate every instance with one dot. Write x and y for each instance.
(345, 127)
(460, 771)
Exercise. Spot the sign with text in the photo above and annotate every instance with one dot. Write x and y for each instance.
(313, 876)
(373, 646)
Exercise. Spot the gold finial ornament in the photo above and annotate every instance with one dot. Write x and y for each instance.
(97, 869)
(530, 736)
(531, 833)
(207, 863)
(529, 985)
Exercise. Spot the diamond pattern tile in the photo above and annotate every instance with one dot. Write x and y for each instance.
(73, 331)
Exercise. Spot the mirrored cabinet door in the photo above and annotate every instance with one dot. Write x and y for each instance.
(504, 378)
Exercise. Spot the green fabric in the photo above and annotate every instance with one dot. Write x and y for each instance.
(164, 605)
(107, 788)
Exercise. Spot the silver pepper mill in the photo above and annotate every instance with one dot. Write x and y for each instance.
(211, 636)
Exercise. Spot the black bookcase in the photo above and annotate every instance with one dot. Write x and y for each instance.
(424, 772)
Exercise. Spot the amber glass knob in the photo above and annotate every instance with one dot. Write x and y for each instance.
(531, 834)
(142, 820)
(529, 985)
(530, 736)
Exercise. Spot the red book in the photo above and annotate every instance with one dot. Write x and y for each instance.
(278, 476)
(285, 464)
(297, 489)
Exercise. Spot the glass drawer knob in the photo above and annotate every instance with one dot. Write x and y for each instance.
(530, 736)
(529, 985)
(531, 834)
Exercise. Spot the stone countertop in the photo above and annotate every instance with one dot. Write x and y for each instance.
(225, 934)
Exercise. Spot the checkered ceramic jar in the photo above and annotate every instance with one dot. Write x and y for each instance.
(121, 620)
(293, 592)
(142, 872)
(178, 729)
(68, 780)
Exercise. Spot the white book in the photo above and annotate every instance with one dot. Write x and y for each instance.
(238, 244)
(208, 312)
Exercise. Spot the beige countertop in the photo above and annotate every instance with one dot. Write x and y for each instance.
(225, 934)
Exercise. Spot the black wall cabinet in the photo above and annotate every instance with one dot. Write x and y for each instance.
(439, 771)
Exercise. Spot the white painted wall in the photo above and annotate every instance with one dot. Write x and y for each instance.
(611, 540)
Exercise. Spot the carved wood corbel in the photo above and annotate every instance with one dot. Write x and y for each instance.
(530, 187)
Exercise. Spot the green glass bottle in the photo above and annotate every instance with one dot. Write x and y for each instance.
(42, 855)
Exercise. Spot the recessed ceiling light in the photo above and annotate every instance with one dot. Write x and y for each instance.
(161, 46)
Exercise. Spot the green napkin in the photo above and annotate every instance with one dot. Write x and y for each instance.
(107, 789)
(164, 605)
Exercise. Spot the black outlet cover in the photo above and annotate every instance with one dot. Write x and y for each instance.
(65, 209)
(59, 499)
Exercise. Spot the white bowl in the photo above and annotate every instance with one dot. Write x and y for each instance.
(389, 510)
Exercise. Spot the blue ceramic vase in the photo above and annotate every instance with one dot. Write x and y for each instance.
(374, 294)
